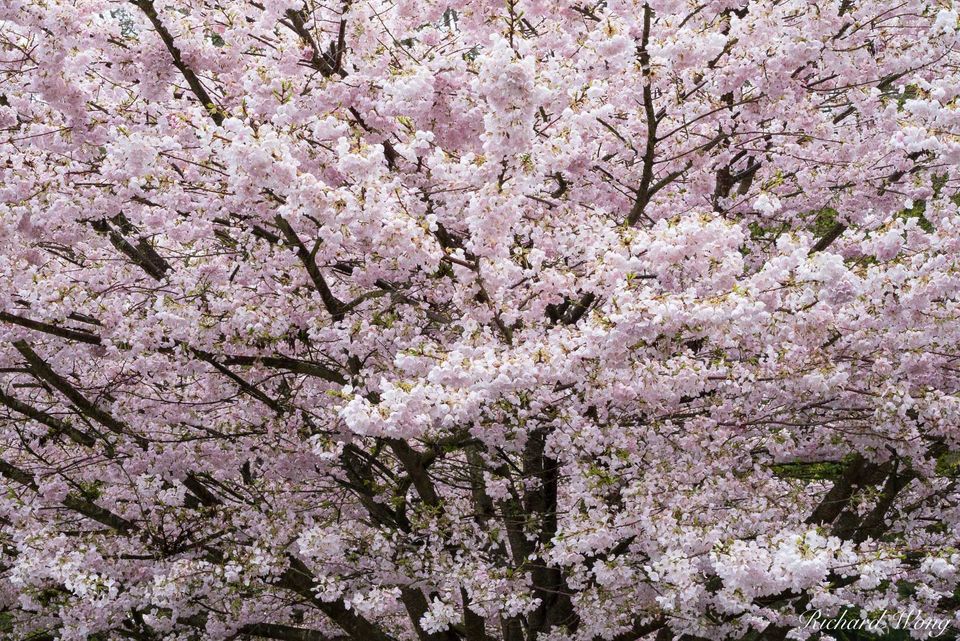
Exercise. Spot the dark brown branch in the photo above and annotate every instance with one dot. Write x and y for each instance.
(297, 578)
(294, 365)
(146, 6)
(646, 178)
(827, 239)
(71, 502)
(247, 388)
(49, 328)
(152, 263)
(58, 426)
(331, 302)
(283, 632)
(858, 473)
(44, 372)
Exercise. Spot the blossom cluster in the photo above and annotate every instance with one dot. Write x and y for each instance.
(475, 320)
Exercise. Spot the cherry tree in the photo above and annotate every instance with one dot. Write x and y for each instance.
(515, 320)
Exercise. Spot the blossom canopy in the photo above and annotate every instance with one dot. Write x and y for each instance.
(477, 320)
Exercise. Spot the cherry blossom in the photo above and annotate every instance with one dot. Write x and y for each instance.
(475, 321)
